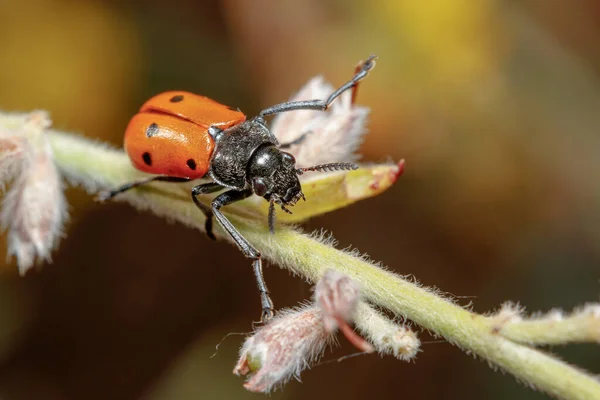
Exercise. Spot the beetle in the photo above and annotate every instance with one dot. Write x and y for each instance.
(181, 136)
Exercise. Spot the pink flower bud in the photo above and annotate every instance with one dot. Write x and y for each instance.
(280, 350)
(34, 208)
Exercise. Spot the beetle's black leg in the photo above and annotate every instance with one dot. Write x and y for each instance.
(109, 194)
(322, 104)
(249, 251)
(205, 189)
(265, 300)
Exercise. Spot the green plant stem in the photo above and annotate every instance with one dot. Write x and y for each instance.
(468, 330)
(96, 166)
(578, 328)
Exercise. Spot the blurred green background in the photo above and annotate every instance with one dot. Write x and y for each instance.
(495, 105)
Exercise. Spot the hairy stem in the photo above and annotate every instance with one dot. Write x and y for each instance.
(95, 166)
(555, 328)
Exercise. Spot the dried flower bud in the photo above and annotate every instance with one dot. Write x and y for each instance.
(330, 136)
(280, 350)
(34, 208)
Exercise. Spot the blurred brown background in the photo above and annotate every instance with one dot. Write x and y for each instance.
(494, 104)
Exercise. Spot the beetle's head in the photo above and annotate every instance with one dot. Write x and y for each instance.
(272, 173)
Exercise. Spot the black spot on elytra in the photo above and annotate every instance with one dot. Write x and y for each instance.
(147, 159)
(192, 164)
(176, 98)
(152, 129)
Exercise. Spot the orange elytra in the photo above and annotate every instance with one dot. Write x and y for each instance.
(169, 136)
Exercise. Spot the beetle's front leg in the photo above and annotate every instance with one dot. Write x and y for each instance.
(249, 251)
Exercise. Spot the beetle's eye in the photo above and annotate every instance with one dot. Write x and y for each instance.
(288, 158)
(260, 187)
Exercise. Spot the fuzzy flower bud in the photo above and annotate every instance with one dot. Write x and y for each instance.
(337, 295)
(280, 350)
(34, 208)
(295, 339)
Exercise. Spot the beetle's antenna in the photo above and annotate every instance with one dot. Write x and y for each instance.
(272, 216)
(328, 167)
